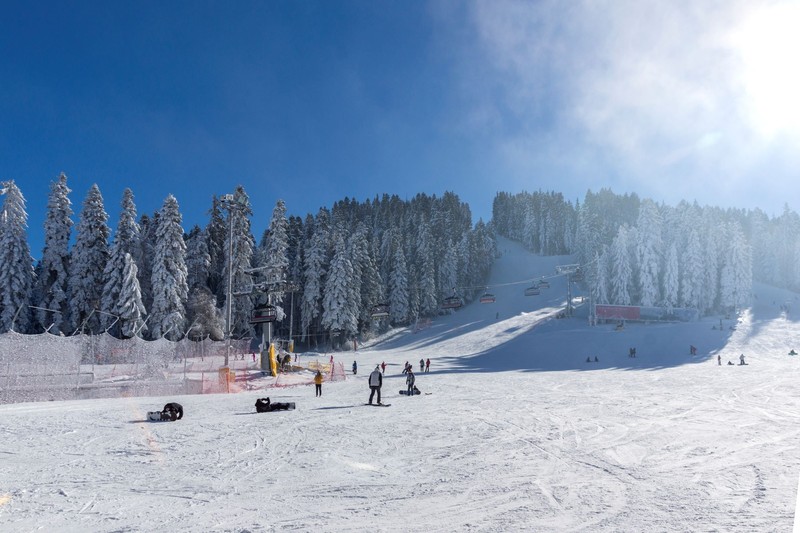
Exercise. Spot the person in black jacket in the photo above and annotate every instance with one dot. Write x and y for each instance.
(375, 383)
(172, 411)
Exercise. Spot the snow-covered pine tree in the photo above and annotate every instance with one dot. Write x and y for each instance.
(448, 271)
(217, 234)
(126, 242)
(87, 262)
(621, 272)
(712, 245)
(692, 272)
(599, 277)
(398, 289)
(671, 284)
(54, 267)
(128, 306)
(648, 246)
(316, 265)
(198, 260)
(339, 315)
(356, 260)
(428, 306)
(277, 260)
(736, 276)
(16, 263)
(170, 288)
(207, 321)
(144, 263)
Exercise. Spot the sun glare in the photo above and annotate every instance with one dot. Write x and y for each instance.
(769, 43)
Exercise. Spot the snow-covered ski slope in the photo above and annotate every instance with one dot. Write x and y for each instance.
(518, 433)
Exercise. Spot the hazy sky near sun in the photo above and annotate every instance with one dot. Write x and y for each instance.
(312, 101)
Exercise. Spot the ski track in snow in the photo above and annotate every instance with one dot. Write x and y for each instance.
(518, 433)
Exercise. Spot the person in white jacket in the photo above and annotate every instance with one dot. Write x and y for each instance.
(375, 383)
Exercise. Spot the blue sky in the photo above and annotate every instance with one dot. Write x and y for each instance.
(312, 101)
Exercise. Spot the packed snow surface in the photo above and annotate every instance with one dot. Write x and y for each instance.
(514, 431)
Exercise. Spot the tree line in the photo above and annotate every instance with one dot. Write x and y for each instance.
(324, 274)
(637, 252)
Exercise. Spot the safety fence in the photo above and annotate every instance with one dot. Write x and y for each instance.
(50, 367)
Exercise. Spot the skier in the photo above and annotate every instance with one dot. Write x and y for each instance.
(375, 383)
(410, 381)
(596, 360)
(355, 368)
(405, 367)
(318, 383)
(588, 359)
(383, 367)
(421, 365)
(427, 364)
(741, 360)
(719, 360)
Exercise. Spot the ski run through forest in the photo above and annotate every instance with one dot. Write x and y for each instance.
(324, 274)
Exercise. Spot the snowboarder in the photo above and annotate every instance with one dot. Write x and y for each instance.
(173, 411)
(421, 365)
(405, 367)
(719, 360)
(355, 368)
(383, 367)
(427, 364)
(692, 350)
(318, 383)
(588, 359)
(596, 360)
(410, 381)
(375, 383)
(792, 352)
(264, 405)
(741, 360)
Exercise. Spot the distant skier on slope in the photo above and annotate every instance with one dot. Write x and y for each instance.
(422, 365)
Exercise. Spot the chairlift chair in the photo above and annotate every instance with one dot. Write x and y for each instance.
(544, 284)
(268, 313)
(487, 298)
(380, 310)
(452, 302)
(532, 291)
